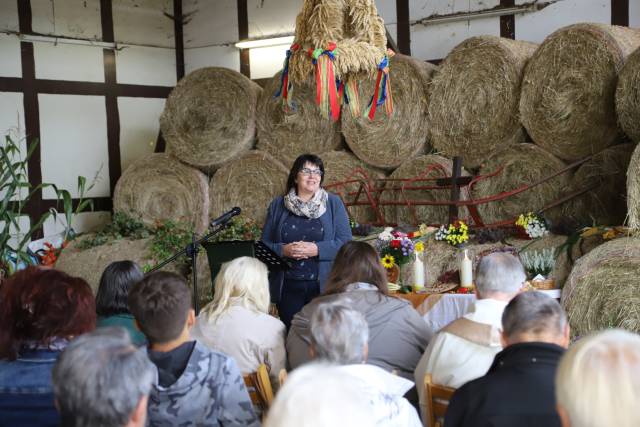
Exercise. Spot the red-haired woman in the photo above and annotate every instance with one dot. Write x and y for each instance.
(40, 311)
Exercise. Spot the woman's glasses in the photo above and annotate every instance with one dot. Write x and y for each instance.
(309, 172)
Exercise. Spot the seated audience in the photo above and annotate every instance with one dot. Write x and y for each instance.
(339, 335)
(111, 299)
(194, 385)
(102, 379)
(464, 350)
(42, 310)
(397, 333)
(598, 381)
(317, 395)
(520, 382)
(237, 322)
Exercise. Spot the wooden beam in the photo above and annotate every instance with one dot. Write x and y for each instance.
(404, 26)
(243, 33)
(179, 38)
(508, 22)
(620, 12)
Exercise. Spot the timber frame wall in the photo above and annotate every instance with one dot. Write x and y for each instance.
(30, 86)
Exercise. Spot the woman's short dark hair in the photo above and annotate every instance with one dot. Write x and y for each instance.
(115, 283)
(298, 165)
(356, 262)
(39, 305)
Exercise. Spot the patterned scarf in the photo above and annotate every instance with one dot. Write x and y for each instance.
(313, 209)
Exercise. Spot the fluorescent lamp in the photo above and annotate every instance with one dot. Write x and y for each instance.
(272, 41)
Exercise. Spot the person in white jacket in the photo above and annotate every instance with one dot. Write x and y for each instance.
(339, 336)
(237, 322)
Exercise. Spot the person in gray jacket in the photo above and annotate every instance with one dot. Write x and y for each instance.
(193, 386)
(397, 334)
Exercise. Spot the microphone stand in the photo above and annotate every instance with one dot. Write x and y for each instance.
(191, 251)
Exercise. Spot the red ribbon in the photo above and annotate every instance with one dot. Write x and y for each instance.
(374, 103)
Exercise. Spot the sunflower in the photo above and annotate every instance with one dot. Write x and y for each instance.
(419, 247)
(388, 261)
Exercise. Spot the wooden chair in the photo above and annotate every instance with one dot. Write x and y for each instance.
(259, 388)
(436, 400)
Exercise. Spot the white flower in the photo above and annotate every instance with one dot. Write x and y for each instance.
(386, 235)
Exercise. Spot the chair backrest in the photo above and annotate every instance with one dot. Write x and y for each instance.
(437, 400)
(259, 387)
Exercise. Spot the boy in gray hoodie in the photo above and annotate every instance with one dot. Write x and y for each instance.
(194, 385)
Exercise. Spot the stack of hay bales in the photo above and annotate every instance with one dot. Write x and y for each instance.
(209, 117)
(474, 98)
(522, 164)
(567, 100)
(286, 132)
(388, 142)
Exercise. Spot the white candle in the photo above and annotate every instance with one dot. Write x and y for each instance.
(466, 271)
(418, 273)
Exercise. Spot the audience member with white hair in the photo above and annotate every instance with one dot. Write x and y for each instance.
(339, 335)
(237, 322)
(319, 395)
(598, 381)
(464, 350)
(102, 380)
(519, 388)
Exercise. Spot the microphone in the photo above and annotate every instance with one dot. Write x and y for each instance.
(225, 217)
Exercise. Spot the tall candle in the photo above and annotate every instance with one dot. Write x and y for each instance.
(466, 271)
(418, 273)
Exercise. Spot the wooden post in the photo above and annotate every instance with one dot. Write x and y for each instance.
(455, 188)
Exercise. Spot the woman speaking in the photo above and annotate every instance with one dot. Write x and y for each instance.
(308, 226)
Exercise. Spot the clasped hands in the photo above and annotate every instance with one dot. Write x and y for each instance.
(300, 250)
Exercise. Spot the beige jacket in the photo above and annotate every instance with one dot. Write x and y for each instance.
(249, 337)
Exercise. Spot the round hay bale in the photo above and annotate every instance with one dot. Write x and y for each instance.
(633, 190)
(90, 263)
(159, 188)
(523, 164)
(285, 133)
(427, 214)
(603, 289)
(386, 142)
(473, 104)
(250, 182)
(209, 117)
(341, 166)
(567, 100)
(628, 96)
(606, 203)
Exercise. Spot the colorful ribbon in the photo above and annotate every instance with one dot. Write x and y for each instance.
(285, 85)
(382, 93)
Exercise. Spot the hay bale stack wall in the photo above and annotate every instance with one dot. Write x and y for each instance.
(160, 188)
(287, 133)
(567, 100)
(523, 164)
(606, 203)
(473, 104)
(425, 213)
(250, 182)
(387, 142)
(633, 190)
(628, 96)
(209, 117)
(342, 166)
(603, 289)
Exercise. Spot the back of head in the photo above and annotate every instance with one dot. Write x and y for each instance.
(244, 282)
(499, 273)
(100, 378)
(339, 334)
(115, 283)
(40, 305)
(534, 316)
(598, 381)
(161, 303)
(316, 395)
(356, 262)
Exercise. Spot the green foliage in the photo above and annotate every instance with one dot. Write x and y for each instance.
(67, 203)
(239, 228)
(121, 226)
(169, 238)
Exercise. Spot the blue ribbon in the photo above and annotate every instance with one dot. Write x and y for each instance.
(285, 71)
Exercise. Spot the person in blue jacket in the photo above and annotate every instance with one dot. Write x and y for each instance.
(307, 226)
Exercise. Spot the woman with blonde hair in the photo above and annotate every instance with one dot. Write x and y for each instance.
(237, 322)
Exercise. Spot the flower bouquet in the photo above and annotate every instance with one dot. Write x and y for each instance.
(455, 234)
(397, 249)
(532, 225)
